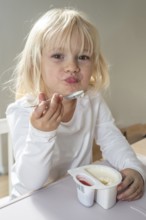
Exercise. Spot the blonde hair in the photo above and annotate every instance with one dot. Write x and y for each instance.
(56, 27)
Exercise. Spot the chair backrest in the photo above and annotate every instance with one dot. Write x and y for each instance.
(4, 129)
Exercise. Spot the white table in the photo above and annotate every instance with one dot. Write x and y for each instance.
(140, 147)
(58, 201)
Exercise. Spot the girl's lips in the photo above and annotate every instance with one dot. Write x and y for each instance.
(72, 80)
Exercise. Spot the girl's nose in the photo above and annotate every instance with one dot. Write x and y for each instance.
(72, 67)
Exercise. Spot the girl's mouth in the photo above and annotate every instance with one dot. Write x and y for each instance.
(72, 80)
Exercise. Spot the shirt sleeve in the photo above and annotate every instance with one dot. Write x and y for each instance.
(114, 146)
(33, 149)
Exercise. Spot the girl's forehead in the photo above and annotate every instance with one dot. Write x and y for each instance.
(73, 42)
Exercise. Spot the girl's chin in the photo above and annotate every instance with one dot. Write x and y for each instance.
(67, 90)
(74, 88)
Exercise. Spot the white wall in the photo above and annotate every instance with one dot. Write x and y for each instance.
(123, 36)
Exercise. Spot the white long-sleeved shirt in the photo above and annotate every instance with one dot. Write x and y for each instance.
(42, 157)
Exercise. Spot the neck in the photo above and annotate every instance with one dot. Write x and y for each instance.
(69, 108)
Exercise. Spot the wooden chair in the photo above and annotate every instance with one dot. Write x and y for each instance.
(4, 129)
(96, 152)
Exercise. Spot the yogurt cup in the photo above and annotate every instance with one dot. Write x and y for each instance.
(85, 192)
(96, 183)
(106, 196)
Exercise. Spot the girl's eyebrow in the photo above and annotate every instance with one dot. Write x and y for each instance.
(62, 50)
(53, 49)
(57, 49)
(85, 51)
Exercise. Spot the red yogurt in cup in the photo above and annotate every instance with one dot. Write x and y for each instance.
(84, 180)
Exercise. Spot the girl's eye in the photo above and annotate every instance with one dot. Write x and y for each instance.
(58, 56)
(84, 57)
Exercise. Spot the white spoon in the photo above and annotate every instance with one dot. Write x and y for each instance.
(74, 95)
(71, 96)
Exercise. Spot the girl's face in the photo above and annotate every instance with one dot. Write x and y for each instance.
(66, 71)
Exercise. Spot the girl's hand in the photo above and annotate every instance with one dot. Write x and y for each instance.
(132, 186)
(48, 114)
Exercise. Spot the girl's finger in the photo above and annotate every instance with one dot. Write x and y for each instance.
(42, 97)
(40, 110)
(55, 105)
(57, 116)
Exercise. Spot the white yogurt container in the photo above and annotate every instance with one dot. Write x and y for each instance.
(85, 191)
(105, 196)
(96, 183)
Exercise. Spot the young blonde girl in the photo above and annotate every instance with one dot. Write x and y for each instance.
(62, 55)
